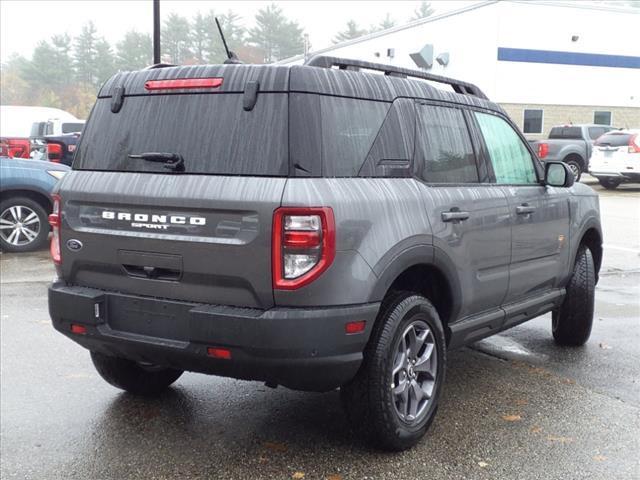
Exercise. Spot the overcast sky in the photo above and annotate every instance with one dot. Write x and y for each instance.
(23, 23)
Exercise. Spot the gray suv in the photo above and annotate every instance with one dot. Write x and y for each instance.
(338, 224)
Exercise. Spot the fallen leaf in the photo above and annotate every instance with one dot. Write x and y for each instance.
(334, 477)
(599, 458)
(521, 401)
(552, 438)
(536, 429)
(569, 381)
(483, 464)
(512, 418)
(297, 476)
(275, 446)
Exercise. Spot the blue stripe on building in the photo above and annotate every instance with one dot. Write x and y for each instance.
(567, 58)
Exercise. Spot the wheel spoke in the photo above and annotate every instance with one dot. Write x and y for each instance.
(4, 221)
(424, 362)
(400, 387)
(14, 237)
(30, 234)
(31, 218)
(15, 212)
(4, 226)
(412, 340)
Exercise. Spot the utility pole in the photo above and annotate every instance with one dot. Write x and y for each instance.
(156, 31)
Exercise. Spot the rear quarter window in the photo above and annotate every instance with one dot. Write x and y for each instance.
(349, 127)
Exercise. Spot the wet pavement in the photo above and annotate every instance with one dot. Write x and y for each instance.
(515, 406)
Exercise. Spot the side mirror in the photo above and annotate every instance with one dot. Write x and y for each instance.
(558, 174)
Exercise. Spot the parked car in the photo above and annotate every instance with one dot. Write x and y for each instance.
(17, 121)
(60, 148)
(616, 158)
(25, 202)
(570, 144)
(56, 127)
(313, 227)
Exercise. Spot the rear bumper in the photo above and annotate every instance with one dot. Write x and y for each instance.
(617, 175)
(300, 348)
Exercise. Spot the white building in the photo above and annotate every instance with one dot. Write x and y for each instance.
(545, 63)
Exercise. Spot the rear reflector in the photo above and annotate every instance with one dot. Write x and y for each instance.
(181, 83)
(54, 221)
(217, 352)
(355, 327)
(79, 329)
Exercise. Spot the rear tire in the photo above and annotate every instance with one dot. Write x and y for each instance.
(132, 376)
(24, 225)
(572, 321)
(385, 402)
(609, 183)
(575, 167)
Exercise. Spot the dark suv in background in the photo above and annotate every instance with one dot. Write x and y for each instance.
(334, 224)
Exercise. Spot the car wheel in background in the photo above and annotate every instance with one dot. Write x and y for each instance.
(609, 183)
(575, 167)
(24, 225)
(571, 323)
(394, 397)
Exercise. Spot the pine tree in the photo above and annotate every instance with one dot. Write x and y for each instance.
(352, 31)
(84, 54)
(423, 11)
(200, 34)
(104, 65)
(176, 39)
(387, 22)
(277, 36)
(134, 51)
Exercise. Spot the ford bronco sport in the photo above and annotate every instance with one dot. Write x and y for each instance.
(338, 224)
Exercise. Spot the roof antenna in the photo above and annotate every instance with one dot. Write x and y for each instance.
(231, 57)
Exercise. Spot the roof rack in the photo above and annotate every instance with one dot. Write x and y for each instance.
(458, 86)
(159, 65)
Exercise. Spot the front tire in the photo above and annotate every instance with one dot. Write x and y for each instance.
(132, 376)
(24, 225)
(609, 183)
(394, 397)
(572, 321)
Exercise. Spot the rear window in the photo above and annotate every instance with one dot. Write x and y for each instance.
(614, 139)
(72, 127)
(212, 132)
(573, 133)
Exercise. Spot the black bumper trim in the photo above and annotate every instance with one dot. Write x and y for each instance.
(300, 348)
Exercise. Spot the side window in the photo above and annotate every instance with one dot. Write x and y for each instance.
(512, 162)
(443, 147)
(349, 127)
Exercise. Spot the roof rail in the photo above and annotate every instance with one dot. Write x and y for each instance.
(458, 86)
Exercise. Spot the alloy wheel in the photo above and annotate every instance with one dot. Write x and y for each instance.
(19, 225)
(413, 377)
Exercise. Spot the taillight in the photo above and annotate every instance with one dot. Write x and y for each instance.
(543, 150)
(54, 221)
(634, 143)
(18, 148)
(54, 152)
(303, 245)
(182, 83)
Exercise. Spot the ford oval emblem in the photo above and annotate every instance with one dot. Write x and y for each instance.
(74, 245)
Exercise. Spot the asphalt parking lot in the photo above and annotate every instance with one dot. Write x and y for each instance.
(515, 406)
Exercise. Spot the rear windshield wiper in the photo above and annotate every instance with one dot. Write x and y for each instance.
(172, 161)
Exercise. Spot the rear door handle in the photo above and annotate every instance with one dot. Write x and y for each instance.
(454, 216)
(525, 209)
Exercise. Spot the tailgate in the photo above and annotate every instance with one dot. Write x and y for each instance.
(200, 238)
